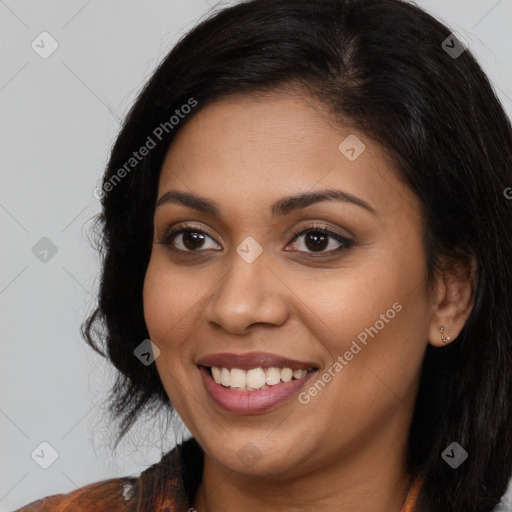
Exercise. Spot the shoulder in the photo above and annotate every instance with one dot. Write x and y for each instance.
(113, 495)
(167, 483)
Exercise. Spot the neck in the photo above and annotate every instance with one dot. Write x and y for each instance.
(366, 481)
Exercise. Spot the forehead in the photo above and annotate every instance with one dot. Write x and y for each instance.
(287, 126)
(254, 149)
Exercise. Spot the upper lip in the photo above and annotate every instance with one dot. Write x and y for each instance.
(251, 360)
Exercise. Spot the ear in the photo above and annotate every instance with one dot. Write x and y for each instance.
(453, 301)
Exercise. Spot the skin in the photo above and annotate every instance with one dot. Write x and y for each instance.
(345, 449)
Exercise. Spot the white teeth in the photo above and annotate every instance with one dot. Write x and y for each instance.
(286, 374)
(225, 377)
(216, 372)
(298, 374)
(255, 378)
(273, 376)
(237, 378)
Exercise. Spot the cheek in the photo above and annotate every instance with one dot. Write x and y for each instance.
(170, 318)
(161, 313)
(156, 303)
(352, 301)
(165, 300)
(376, 317)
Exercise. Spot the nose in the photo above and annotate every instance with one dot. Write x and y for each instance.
(248, 294)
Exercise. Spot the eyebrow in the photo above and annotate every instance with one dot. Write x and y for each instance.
(281, 207)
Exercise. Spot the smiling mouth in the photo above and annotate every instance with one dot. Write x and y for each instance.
(255, 379)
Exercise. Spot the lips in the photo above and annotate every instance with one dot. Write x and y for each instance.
(252, 360)
(243, 401)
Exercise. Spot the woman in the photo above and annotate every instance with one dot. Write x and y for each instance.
(306, 213)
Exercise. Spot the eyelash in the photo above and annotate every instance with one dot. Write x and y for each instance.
(346, 243)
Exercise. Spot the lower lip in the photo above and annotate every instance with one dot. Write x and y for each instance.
(250, 402)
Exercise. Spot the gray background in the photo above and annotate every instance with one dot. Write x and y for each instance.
(59, 117)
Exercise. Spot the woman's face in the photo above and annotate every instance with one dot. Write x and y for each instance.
(240, 282)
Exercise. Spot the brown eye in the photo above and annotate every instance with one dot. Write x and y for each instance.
(187, 240)
(192, 240)
(317, 239)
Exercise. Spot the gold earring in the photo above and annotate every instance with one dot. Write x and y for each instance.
(443, 337)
